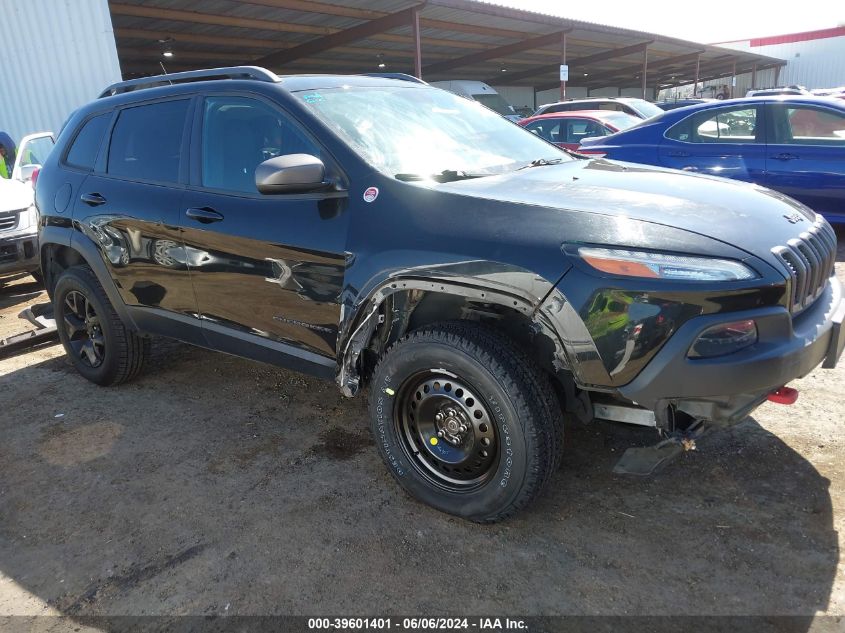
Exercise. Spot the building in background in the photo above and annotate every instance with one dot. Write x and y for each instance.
(57, 56)
(814, 59)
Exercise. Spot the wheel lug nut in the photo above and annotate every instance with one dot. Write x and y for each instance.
(439, 433)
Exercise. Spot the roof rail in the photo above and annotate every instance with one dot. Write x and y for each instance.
(231, 72)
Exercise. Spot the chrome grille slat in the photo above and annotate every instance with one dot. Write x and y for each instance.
(8, 221)
(817, 244)
(809, 260)
(814, 263)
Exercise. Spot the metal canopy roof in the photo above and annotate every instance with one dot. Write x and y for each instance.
(458, 39)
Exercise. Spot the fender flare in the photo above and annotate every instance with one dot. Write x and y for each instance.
(88, 251)
(358, 328)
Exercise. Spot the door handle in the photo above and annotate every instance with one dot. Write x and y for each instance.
(785, 156)
(205, 215)
(92, 199)
(679, 154)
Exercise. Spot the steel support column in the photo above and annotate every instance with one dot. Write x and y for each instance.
(645, 70)
(697, 74)
(415, 27)
(733, 79)
(563, 61)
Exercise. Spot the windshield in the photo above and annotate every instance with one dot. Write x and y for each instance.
(495, 102)
(646, 108)
(425, 131)
(622, 121)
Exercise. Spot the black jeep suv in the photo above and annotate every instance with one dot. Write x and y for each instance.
(482, 282)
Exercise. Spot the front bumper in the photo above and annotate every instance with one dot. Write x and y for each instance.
(726, 389)
(19, 252)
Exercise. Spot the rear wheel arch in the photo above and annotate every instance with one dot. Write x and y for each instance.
(59, 253)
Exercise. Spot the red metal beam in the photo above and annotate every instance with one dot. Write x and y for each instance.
(341, 38)
(495, 53)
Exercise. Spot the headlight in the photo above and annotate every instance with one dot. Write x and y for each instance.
(663, 266)
(28, 218)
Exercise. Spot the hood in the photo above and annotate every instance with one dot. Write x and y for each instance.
(749, 217)
(15, 195)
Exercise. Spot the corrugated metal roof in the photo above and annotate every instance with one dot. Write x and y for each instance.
(449, 30)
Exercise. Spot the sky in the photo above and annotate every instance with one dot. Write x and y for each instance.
(706, 22)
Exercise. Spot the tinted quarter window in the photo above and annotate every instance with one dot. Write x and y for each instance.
(83, 152)
(806, 125)
(729, 125)
(146, 143)
(238, 133)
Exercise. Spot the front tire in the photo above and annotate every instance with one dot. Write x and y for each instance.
(465, 420)
(100, 346)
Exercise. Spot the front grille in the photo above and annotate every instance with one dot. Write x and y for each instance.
(809, 259)
(8, 221)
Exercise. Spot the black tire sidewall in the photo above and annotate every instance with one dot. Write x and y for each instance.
(501, 490)
(72, 280)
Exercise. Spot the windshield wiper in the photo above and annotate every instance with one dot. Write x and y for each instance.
(447, 175)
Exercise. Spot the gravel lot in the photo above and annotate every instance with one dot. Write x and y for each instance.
(214, 485)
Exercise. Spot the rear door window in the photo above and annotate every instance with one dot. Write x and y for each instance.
(86, 145)
(146, 143)
(728, 125)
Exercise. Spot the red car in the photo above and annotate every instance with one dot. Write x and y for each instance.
(568, 129)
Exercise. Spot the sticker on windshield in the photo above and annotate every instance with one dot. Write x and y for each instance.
(312, 97)
(370, 194)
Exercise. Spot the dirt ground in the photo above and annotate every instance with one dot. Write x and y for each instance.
(214, 485)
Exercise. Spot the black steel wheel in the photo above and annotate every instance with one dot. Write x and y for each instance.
(446, 430)
(465, 420)
(83, 330)
(97, 342)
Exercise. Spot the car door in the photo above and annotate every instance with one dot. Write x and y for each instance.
(806, 155)
(32, 152)
(727, 141)
(263, 266)
(130, 205)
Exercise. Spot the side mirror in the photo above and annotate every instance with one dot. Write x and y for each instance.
(27, 172)
(291, 173)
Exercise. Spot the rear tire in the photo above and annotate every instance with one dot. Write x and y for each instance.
(465, 420)
(100, 346)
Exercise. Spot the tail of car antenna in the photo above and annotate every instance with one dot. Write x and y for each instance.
(255, 73)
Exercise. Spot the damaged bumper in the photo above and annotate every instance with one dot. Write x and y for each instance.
(724, 390)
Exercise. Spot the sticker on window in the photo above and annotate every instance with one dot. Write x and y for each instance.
(370, 194)
(312, 97)
(683, 137)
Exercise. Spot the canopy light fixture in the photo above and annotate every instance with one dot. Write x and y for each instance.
(166, 46)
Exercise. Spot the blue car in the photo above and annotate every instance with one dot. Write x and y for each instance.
(795, 145)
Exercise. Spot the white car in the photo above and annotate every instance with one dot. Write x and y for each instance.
(18, 216)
